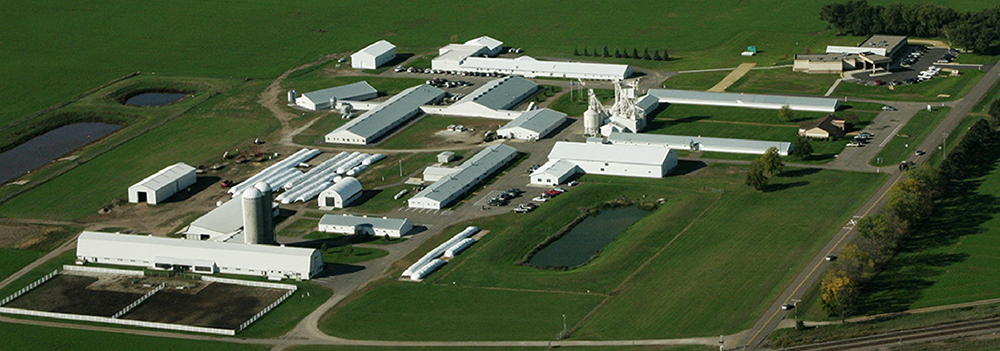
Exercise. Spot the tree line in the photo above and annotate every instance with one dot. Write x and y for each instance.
(976, 31)
(910, 203)
(624, 53)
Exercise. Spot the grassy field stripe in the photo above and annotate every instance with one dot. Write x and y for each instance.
(736, 122)
(755, 335)
(542, 291)
(644, 264)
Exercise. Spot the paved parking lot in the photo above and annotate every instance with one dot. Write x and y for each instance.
(902, 73)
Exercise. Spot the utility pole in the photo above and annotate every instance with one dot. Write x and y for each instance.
(400, 168)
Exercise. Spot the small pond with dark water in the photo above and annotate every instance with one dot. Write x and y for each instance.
(44, 148)
(155, 99)
(586, 238)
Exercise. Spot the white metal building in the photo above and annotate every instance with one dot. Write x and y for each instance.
(206, 257)
(498, 94)
(445, 156)
(773, 102)
(341, 194)
(374, 55)
(493, 46)
(364, 225)
(700, 143)
(386, 116)
(472, 172)
(534, 124)
(161, 185)
(329, 97)
(606, 159)
(530, 67)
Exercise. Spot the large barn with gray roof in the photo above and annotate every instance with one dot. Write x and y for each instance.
(772, 102)
(386, 116)
(472, 172)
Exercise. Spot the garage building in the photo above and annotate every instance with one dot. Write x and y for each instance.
(468, 175)
(772, 102)
(207, 257)
(606, 159)
(374, 55)
(341, 194)
(533, 125)
(364, 225)
(161, 185)
(328, 98)
(386, 116)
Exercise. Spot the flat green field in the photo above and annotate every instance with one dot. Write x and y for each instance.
(299, 228)
(910, 136)
(701, 231)
(31, 337)
(953, 87)
(783, 81)
(694, 81)
(11, 260)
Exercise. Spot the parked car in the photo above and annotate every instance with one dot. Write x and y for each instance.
(540, 199)
(552, 193)
(787, 306)
(573, 183)
(561, 190)
(831, 258)
(521, 210)
(920, 153)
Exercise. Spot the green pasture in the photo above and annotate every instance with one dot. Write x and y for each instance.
(11, 260)
(32, 337)
(299, 228)
(661, 301)
(783, 81)
(382, 200)
(908, 139)
(351, 254)
(694, 80)
(313, 136)
(928, 90)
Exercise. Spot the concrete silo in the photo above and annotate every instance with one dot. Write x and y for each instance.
(253, 216)
(268, 235)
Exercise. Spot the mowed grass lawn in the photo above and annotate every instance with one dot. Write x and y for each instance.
(740, 247)
(783, 81)
(32, 337)
(11, 260)
(929, 90)
(906, 142)
(694, 81)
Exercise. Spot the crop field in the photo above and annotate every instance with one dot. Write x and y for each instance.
(910, 136)
(951, 88)
(700, 233)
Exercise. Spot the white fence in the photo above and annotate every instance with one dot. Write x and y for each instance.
(139, 301)
(103, 270)
(249, 283)
(143, 324)
(266, 309)
(29, 287)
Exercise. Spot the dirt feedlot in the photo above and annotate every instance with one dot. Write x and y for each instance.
(216, 305)
(71, 294)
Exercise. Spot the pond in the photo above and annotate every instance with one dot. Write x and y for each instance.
(586, 238)
(154, 99)
(44, 148)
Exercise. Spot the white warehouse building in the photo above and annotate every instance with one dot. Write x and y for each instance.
(163, 184)
(469, 57)
(328, 98)
(700, 143)
(374, 55)
(386, 116)
(341, 194)
(533, 125)
(773, 102)
(469, 174)
(207, 257)
(567, 158)
(498, 94)
(364, 225)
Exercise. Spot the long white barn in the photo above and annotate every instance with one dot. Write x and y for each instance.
(363, 225)
(567, 158)
(386, 116)
(207, 257)
(772, 102)
(327, 98)
(468, 57)
(450, 187)
(533, 125)
(700, 143)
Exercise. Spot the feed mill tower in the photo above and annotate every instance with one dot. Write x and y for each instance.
(258, 215)
(626, 115)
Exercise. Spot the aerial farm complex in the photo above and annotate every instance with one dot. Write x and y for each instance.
(548, 180)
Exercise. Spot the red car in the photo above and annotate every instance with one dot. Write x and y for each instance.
(552, 193)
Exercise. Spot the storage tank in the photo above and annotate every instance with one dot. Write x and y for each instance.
(591, 121)
(291, 96)
(267, 196)
(253, 216)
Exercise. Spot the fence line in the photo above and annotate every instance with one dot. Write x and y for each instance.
(139, 301)
(265, 310)
(29, 287)
(133, 323)
(103, 270)
(249, 283)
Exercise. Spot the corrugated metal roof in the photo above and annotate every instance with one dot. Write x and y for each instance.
(643, 155)
(536, 120)
(225, 219)
(375, 222)
(500, 94)
(469, 172)
(345, 188)
(528, 63)
(683, 142)
(373, 122)
(378, 48)
(344, 92)
(166, 176)
(556, 168)
(486, 41)
(183, 245)
(775, 102)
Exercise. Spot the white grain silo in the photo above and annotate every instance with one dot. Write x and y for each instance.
(268, 207)
(591, 121)
(291, 97)
(253, 216)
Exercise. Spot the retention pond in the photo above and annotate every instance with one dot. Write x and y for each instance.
(585, 239)
(154, 99)
(44, 148)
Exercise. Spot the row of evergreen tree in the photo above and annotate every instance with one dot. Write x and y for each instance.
(978, 31)
(908, 210)
(625, 54)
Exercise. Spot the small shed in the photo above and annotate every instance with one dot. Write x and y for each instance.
(163, 184)
(446, 157)
(341, 194)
